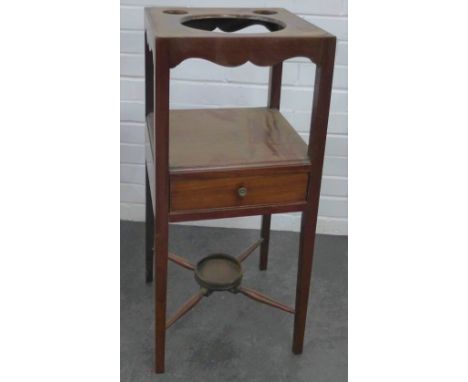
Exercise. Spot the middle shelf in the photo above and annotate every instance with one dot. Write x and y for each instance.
(224, 162)
(207, 139)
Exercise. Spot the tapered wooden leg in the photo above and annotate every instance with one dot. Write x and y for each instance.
(161, 241)
(266, 222)
(161, 131)
(316, 150)
(306, 252)
(149, 227)
(274, 99)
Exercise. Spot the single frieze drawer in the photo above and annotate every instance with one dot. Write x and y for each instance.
(210, 193)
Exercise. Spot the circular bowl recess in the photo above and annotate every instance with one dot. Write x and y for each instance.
(265, 12)
(175, 12)
(218, 272)
(231, 23)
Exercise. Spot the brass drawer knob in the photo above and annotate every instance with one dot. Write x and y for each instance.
(242, 191)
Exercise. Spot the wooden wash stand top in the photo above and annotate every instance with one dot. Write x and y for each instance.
(220, 163)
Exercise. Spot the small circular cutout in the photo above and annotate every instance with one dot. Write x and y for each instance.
(265, 12)
(175, 12)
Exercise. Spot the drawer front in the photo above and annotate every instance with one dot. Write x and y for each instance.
(210, 193)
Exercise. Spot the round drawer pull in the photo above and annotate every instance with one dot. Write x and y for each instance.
(242, 191)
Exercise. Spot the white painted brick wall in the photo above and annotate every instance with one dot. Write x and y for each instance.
(198, 84)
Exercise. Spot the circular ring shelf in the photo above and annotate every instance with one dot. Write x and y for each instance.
(218, 272)
(231, 23)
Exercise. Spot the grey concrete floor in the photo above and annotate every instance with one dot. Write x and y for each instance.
(229, 337)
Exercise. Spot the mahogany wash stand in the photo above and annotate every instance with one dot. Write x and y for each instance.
(222, 163)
